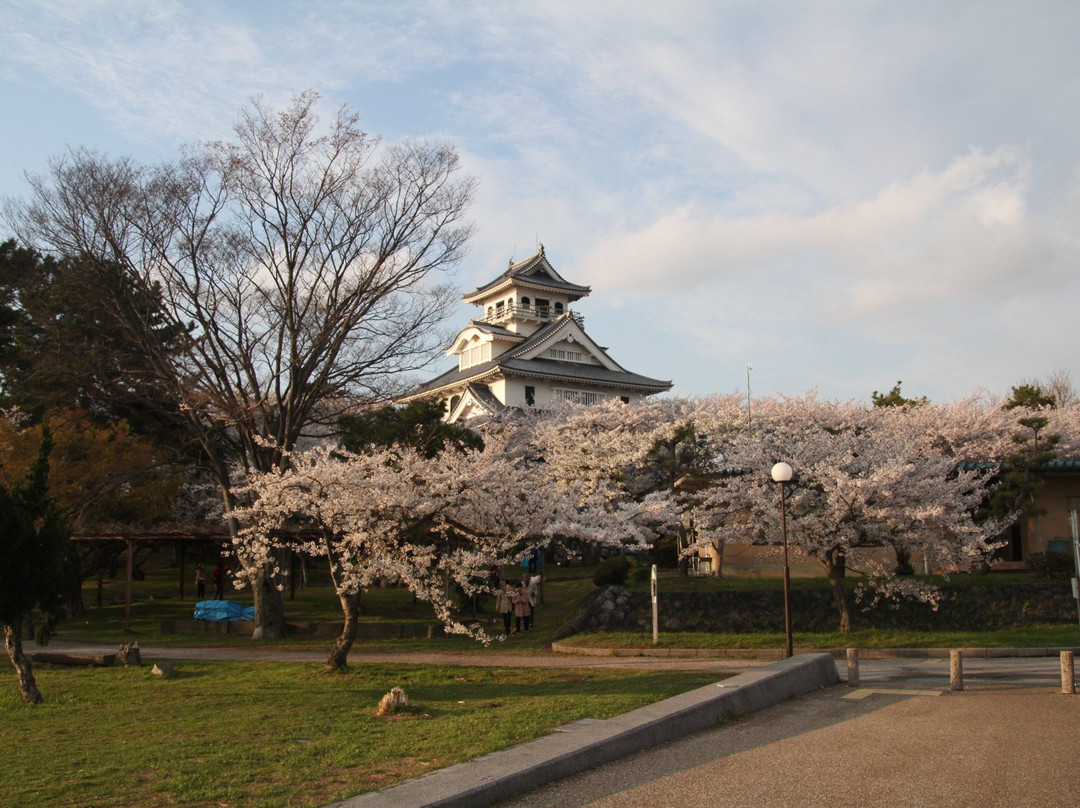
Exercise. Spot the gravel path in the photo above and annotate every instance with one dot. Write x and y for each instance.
(480, 659)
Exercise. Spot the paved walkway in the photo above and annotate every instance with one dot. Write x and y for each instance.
(151, 653)
(902, 738)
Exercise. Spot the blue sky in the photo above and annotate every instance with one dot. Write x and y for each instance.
(842, 194)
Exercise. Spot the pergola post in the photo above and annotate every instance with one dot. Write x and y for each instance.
(127, 588)
(180, 551)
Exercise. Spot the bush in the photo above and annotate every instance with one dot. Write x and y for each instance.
(612, 571)
(665, 554)
(1051, 565)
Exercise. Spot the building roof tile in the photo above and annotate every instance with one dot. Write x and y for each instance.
(534, 271)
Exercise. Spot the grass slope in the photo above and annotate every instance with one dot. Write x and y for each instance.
(253, 734)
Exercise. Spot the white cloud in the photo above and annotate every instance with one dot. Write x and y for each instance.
(832, 189)
(937, 273)
(950, 232)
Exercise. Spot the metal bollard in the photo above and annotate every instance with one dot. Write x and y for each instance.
(1068, 683)
(853, 667)
(956, 670)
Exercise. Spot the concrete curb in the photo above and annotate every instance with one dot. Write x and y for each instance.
(586, 744)
(836, 653)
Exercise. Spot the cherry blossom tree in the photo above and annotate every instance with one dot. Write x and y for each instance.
(1065, 421)
(630, 455)
(396, 514)
(600, 446)
(863, 478)
(910, 477)
(661, 454)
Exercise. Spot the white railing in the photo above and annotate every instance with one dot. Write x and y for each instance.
(529, 312)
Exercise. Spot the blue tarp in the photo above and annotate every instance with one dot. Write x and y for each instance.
(223, 610)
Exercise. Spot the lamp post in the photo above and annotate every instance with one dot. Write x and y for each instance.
(781, 473)
(749, 368)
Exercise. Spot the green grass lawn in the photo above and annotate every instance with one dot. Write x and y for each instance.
(157, 598)
(251, 734)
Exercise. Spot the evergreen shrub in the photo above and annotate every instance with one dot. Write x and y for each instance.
(612, 571)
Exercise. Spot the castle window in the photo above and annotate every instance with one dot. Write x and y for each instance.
(568, 356)
(475, 355)
(579, 396)
(530, 395)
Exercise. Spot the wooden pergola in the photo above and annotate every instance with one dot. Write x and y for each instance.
(131, 539)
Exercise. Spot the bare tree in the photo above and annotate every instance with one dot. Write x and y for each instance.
(1059, 384)
(300, 262)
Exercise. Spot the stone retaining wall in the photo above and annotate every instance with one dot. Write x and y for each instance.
(966, 608)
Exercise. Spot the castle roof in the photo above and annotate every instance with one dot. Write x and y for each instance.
(534, 273)
(517, 362)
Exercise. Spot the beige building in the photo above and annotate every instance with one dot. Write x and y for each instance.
(1055, 530)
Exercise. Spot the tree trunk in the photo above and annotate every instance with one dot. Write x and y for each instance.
(268, 600)
(339, 654)
(835, 563)
(683, 546)
(903, 560)
(76, 605)
(718, 558)
(23, 669)
(269, 606)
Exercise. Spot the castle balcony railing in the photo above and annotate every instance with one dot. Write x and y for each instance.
(518, 311)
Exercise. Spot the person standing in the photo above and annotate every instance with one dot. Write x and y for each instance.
(521, 608)
(200, 581)
(531, 585)
(504, 605)
(217, 578)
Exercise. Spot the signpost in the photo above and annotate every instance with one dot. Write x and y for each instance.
(1073, 517)
(655, 612)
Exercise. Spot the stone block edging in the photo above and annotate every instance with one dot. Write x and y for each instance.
(585, 744)
(836, 653)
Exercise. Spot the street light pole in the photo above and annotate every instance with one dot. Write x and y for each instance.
(749, 368)
(782, 473)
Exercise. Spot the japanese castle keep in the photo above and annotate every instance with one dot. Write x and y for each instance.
(529, 349)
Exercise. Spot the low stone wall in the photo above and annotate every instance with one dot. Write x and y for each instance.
(971, 608)
(235, 627)
(367, 631)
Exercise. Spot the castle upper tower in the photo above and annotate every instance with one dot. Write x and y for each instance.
(529, 349)
(528, 295)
